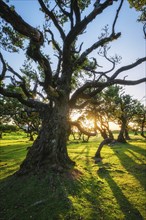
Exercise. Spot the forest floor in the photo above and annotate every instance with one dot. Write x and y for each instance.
(114, 188)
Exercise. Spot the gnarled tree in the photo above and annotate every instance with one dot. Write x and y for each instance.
(53, 89)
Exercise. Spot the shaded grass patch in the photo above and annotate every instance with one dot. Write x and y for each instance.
(112, 189)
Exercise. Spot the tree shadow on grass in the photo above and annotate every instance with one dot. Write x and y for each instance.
(10, 158)
(129, 211)
(15, 151)
(56, 196)
(91, 189)
(38, 197)
(53, 196)
(136, 169)
(94, 188)
(137, 149)
(135, 156)
(93, 194)
(80, 153)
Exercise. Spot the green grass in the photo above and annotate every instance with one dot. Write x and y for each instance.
(112, 189)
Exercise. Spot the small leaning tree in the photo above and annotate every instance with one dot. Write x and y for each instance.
(70, 83)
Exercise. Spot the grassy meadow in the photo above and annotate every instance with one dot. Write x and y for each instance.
(115, 188)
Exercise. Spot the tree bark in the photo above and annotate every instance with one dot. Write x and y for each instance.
(31, 138)
(102, 131)
(111, 135)
(135, 132)
(121, 137)
(104, 134)
(85, 139)
(105, 141)
(49, 150)
(127, 137)
(143, 126)
(143, 135)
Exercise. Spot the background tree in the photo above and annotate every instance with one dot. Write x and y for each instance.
(139, 119)
(98, 111)
(52, 89)
(123, 109)
(26, 119)
(82, 128)
(5, 117)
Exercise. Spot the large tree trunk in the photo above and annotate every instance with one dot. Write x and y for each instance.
(49, 149)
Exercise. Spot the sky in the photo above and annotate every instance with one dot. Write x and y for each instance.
(130, 46)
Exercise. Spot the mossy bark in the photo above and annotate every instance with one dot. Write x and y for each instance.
(49, 149)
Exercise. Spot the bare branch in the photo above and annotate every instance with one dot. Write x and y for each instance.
(99, 43)
(62, 9)
(2, 75)
(144, 30)
(55, 43)
(21, 83)
(76, 10)
(19, 24)
(80, 26)
(58, 67)
(128, 82)
(112, 60)
(128, 67)
(78, 29)
(53, 18)
(77, 51)
(15, 73)
(36, 38)
(33, 51)
(29, 102)
(69, 15)
(116, 17)
(99, 86)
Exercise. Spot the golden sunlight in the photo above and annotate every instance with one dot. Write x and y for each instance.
(89, 123)
(75, 115)
(113, 126)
